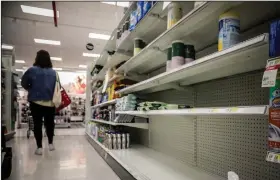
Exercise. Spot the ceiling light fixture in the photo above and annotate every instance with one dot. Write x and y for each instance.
(91, 55)
(99, 36)
(4, 46)
(19, 70)
(82, 66)
(58, 69)
(38, 11)
(122, 4)
(56, 58)
(20, 61)
(50, 42)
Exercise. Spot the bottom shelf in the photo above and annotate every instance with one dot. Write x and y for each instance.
(147, 164)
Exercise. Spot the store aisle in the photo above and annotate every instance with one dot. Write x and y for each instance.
(73, 159)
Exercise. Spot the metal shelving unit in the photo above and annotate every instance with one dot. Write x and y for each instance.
(8, 108)
(227, 128)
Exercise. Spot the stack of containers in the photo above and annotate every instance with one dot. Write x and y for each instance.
(179, 54)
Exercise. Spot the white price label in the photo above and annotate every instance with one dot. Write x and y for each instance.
(214, 110)
(269, 78)
(233, 109)
(273, 157)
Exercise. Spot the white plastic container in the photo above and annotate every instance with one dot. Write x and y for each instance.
(229, 28)
(174, 14)
(123, 141)
(127, 140)
(114, 141)
(119, 141)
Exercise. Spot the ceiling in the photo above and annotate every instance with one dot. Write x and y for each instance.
(76, 20)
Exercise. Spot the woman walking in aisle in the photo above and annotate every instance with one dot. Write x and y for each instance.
(39, 81)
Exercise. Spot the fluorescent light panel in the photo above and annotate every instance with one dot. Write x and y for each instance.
(91, 55)
(82, 66)
(19, 70)
(58, 69)
(38, 11)
(111, 3)
(99, 36)
(56, 58)
(50, 42)
(4, 46)
(20, 61)
(122, 4)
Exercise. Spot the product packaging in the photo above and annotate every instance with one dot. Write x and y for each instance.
(229, 28)
(139, 10)
(274, 39)
(133, 20)
(146, 7)
(271, 79)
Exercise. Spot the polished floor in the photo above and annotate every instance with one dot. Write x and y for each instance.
(73, 159)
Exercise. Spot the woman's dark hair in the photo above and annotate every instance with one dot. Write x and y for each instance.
(43, 59)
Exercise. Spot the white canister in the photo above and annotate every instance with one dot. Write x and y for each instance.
(123, 141)
(229, 29)
(178, 54)
(119, 141)
(127, 140)
(110, 146)
(114, 141)
(174, 14)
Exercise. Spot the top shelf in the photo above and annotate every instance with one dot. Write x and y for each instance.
(199, 27)
(111, 43)
(194, 21)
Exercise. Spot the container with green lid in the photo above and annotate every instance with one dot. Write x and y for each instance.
(178, 54)
(139, 44)
(169, 58)
(189, 53)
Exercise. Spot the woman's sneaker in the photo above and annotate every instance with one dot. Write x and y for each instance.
(39, 151)
(51, 147)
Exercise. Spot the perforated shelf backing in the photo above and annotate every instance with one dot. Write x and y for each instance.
(236, 144)
(240, 90)
(174, 139)
(217, 144)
